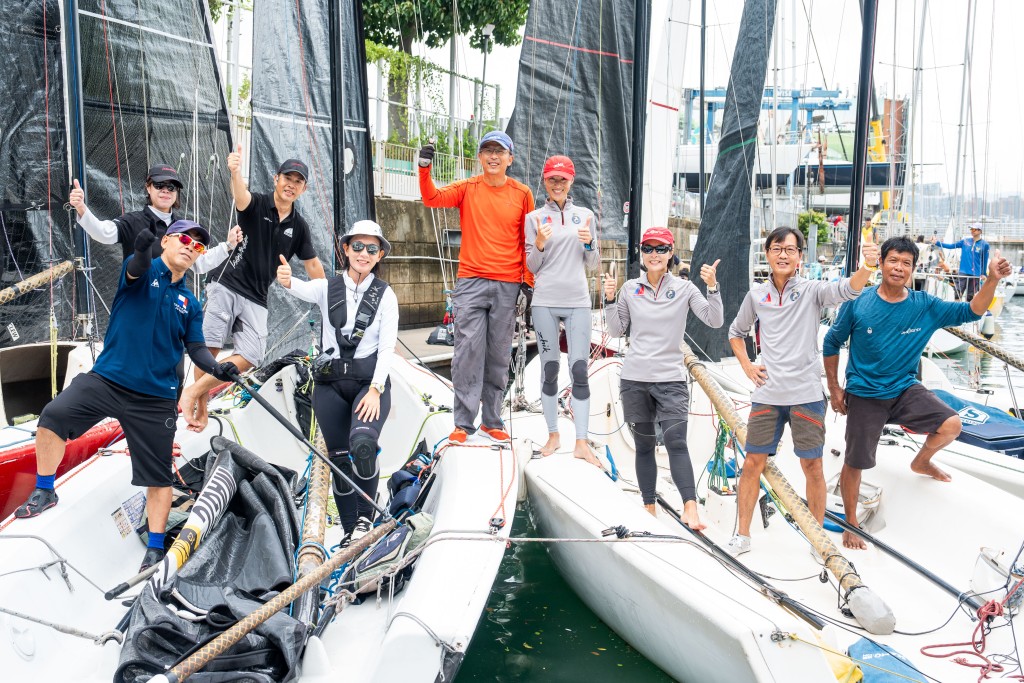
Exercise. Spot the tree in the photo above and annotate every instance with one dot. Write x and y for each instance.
(399, 23)
(816, 218)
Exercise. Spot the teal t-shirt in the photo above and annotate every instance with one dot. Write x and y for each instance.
(886, 339)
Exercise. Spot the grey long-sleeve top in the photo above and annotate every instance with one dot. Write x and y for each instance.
(560, 269)
(656, 320)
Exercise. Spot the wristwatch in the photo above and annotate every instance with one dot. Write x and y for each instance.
(713, 289)
(379, 387)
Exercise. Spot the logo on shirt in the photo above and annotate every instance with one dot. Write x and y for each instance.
(670, 294)
(767, 299)
(576, 219)
(870, 330)
(794, 296)
(547, 219)
(154, 283)
(181, 303)
(288, 232)
(911, 330)
(639, 291)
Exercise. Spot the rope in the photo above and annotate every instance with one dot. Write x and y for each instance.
(985, 665)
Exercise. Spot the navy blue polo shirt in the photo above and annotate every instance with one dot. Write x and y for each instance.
(150, 323)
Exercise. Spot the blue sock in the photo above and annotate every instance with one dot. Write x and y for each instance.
(45, 482)
(155, 540)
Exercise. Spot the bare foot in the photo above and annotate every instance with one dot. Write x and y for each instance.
(653, 510)
(553, 444)
(853, 541)
(583, 452)
(690, 516)
(928, 468)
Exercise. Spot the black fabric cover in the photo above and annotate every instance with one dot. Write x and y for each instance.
(30, 243)
(573, 98)
(725, 228)
(244, 561)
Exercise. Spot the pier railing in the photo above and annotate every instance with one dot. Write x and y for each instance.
(395, 171)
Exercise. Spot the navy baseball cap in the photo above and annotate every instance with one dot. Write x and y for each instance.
(497, 136)
(163, 172)
(188, 226)
(294, 166)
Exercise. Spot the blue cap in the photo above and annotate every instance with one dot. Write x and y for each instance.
(187, 226)
(500, 137)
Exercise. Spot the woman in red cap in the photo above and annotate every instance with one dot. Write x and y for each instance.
(652, 385)
(560, 248)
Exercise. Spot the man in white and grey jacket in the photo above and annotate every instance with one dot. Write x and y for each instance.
(787, 383)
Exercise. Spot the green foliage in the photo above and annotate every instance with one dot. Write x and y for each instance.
(397, 23)
(809, 218)
(218, 7)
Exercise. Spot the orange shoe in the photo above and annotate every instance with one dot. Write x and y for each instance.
(495, 434)
(458, 435)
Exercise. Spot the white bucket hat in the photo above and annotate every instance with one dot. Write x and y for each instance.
(367, 228)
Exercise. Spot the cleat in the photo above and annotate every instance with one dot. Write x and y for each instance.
(38, 502)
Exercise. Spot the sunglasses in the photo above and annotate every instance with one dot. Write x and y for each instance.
(169, 186)
(190, 241)
(660, 249)
(371, 249)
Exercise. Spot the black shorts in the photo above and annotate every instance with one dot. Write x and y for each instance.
(916, 409)
(654, 401)
(149, 422)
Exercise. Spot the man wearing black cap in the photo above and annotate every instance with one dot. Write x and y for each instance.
(163, 196)
(236, 306)
(154, 320)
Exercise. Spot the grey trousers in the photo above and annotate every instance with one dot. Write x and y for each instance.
(484, 321)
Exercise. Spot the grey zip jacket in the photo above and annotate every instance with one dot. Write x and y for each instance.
(656, 320)
(789, 322)
(560, 270)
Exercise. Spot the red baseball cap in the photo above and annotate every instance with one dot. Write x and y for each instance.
(663, 235)
(559, 166)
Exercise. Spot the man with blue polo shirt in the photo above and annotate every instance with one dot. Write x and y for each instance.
(154, 319)
(888, 327)
(973, 261)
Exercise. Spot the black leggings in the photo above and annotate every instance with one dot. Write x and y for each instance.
(674, 433)
(334, 404)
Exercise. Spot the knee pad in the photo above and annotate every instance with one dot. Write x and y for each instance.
(343, 461)
(674, 435)
(550, 384)
(580, 381)
(363, 444)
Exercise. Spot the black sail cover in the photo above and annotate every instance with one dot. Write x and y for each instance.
(243, 561)
(725, 228)
(575, 73)
(292, 118)
(33, 168)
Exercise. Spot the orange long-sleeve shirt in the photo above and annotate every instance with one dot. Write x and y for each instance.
(492, 220)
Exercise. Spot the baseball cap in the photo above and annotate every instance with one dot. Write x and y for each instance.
(663, 235)
(975, 226)
(500, 137)
(370, 229)
(163, 172)
(187, 226)
(559, 165)
(294, 166)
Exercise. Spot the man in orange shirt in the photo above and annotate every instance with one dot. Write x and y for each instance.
(492, 213)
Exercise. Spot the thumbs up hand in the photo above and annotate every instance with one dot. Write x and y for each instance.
(998, 267)
(284, 273)
(707, 273)
(235, 160)
(77, 198)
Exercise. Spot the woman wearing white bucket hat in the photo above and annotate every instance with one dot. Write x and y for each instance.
(350, 399)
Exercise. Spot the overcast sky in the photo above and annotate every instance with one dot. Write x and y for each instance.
(835, 25)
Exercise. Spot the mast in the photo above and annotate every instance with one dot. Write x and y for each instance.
(915, 108)
(703, 48)
(860, 151)
(335, 33)
(641, 53)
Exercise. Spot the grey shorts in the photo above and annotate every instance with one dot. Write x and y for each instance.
(231, 316)
(806, 424)
(654, 401)
(917, 409)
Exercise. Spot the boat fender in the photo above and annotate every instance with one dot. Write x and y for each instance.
(524, 453)
(871, 611)
(988, 325)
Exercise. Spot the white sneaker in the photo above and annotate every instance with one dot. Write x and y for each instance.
(817, 556)
(738, 545)
(362, 527)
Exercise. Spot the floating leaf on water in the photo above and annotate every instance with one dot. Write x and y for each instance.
(596, 654)
(603, 649)
(527, 646)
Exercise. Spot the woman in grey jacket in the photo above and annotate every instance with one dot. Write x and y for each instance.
(560, 248)
(652, 385)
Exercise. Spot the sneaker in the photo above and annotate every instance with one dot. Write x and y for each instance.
(738, 545)
(40, 501)
(496, 434)
(362, 527)
(458, 435)
(152, 556)
(817, 556)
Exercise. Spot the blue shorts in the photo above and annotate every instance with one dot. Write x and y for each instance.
(806, 424)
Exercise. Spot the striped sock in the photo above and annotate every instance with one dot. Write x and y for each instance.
(45, 481)
(155, 540)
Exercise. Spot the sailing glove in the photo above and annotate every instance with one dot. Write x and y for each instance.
(143, 258)
(225, 372)
(426, 155)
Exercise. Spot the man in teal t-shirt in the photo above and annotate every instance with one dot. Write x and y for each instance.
(888, 327)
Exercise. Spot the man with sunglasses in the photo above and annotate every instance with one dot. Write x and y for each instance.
(492, 268)
(787, 383)
(153, 321)
(163, 196)
(236, 306)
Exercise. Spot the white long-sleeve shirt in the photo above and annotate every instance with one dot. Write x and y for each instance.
(380, 336)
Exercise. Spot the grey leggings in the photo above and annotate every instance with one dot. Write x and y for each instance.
(645, 440)
(577, 335)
